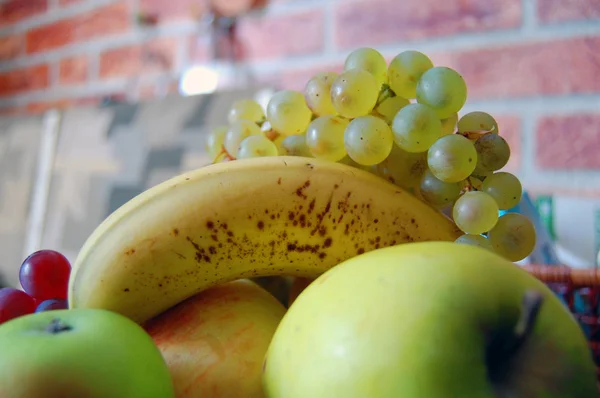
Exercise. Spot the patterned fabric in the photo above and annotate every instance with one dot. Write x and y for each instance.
(19, 146)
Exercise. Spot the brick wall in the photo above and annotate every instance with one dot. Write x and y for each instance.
(533, 63)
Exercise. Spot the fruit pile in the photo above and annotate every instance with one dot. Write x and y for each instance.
(44, 277)
(404, 300)
(400, 122)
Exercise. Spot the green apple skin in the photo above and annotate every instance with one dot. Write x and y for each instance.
(103, 355)
(414, 321)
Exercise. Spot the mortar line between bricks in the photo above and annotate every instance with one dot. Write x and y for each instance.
(53, 5)
(287, 8)
(90, 88)
(539, 105)
(54, 71)
(460, 42)
(450, 43)
(529, 16)
(104, 43)
(55, 15)
(328, 28)
(529, 123)
(93, 66)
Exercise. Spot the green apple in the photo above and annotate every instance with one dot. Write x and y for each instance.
(428, 320)
(79, 353)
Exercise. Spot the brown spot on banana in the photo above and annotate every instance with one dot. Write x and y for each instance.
(223, 213)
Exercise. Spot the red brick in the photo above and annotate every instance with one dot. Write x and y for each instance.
(372, 22)
(173, 10)
(11, 47)
(510, 129)
(25, 79)
(557, 67)
(154, 57)
(103, 21)
(280, 36)
(13, 11)
(568, 142)
(73, 70)
(568, 10)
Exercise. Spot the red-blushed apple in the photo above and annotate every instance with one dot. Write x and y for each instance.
(80, 353)
(215, 342)
(429, 320)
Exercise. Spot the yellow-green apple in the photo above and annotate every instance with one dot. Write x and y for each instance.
(80, 353)
(215, 342)
(429, 320)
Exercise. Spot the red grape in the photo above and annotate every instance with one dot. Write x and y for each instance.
(51, 305)
(14, 303)
(45, 275)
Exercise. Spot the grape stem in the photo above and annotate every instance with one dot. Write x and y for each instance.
(272, 135)
(385, 93)
(223, 154)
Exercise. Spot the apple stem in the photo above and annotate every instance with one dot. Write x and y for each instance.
(57, 326)
(531, 305)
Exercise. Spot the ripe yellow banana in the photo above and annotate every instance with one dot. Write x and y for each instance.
(256, 217)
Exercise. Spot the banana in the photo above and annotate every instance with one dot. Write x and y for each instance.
(248, 218)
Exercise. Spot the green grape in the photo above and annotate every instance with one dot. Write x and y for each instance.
(403, 168)
(449, 124)
(236, 133)
(368, 140)
(370, 60)
(443, 89)
(416, 127)
(513, 237)
(295, 145)
(390, 107)
(452, 158)
(246, 109)
(288, 113)
(475, 212)
(318, 93)
(215, 140)
(405, 70)
(493, 153)
(354, 93)
(477, 122)
(505, 188)
(439, 193)
(475, 240)
(325, 137)
(256, 146)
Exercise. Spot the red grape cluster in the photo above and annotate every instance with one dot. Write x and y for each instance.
(44, 276)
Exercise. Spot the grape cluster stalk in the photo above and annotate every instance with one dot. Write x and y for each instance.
(399, 121)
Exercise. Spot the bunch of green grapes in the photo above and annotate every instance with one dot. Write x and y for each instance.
(402, 122)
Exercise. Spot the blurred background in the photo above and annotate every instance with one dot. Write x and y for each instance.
(101, 99)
